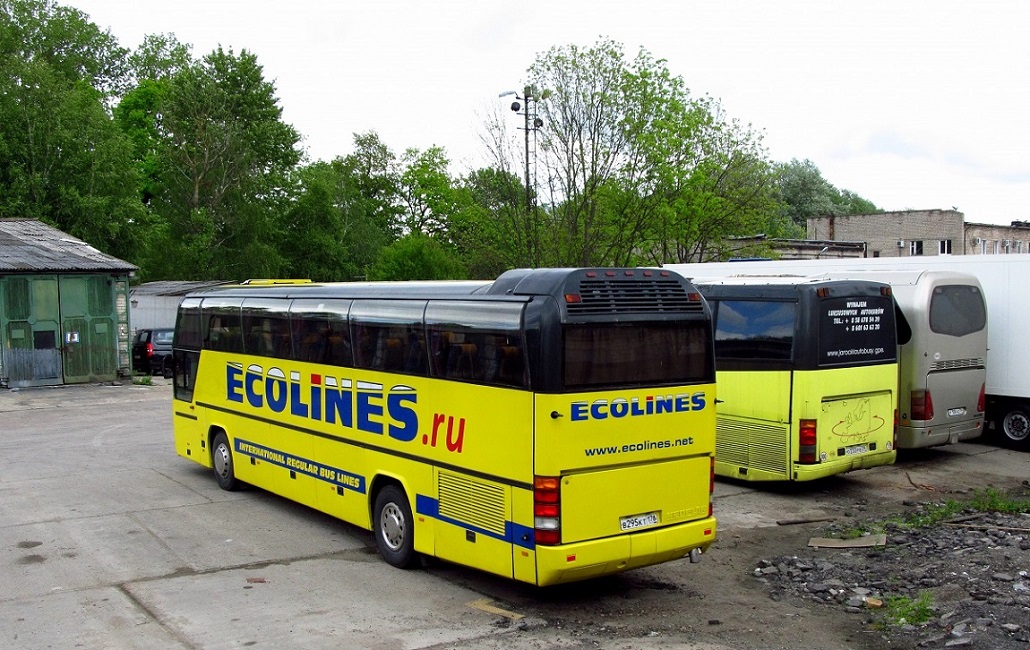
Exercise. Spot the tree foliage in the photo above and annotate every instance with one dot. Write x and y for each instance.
(62, 161)
(804, 193)
(185, 167)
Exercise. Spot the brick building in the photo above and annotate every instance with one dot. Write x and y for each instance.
(908, 233)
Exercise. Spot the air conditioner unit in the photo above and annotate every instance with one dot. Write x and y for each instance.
(901, 243)
(977, 241)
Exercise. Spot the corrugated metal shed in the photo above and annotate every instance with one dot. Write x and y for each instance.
(30, 246)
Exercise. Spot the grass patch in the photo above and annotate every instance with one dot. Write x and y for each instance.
(142, 380)
(902, 610)
(932, 514)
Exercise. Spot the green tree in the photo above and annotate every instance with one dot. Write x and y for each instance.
(417, 257)
(427, 192)
(489, 230)
(636, 169)
(804, 193)
(224, 163)
(343, 215)
(62, 160)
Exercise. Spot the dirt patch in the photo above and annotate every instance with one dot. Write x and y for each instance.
(764, 588)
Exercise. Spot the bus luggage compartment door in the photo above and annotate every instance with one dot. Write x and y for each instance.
(856, 424)
(610, 502)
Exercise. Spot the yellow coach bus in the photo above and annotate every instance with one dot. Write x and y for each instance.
(807, 371)
(549, 426)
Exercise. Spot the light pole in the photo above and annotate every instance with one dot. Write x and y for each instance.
(525, 105)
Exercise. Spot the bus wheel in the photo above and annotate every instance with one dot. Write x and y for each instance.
(394, 528)
(221, 460)
(1015, 428)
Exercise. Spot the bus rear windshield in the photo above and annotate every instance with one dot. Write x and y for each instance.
(856, 330)
(957, 310)
(634, 354)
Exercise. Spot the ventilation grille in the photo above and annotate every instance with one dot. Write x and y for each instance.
(957, 364)
(472, 502)
(617, 296)
(747, 444)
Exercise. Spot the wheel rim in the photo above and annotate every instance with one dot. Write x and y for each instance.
(222, 461)
(391, 524)
(1016, 426)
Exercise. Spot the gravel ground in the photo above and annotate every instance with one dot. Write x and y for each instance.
(964, 582)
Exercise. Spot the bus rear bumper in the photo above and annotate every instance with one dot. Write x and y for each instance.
(917, 437)
(590, 559)
(841, 465)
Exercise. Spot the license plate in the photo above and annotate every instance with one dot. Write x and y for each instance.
(855, 449)
(639, 521)
(956, 412)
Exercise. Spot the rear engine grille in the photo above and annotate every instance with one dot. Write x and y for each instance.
(956, 364)
(616, 296)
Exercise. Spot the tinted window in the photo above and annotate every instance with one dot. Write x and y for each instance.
(320, 332)
(163, 336)
(637, 354)
(222, 325)
(478, 342)
(957, 310)
(187, 324)
(754, 329)
(266, 328)
(856, 330)
(388, 335)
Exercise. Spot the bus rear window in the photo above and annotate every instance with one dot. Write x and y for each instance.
(856, 330)
(754, 330)
(957, 310)
(632, 354)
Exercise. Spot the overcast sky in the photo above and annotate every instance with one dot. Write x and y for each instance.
(912, 105)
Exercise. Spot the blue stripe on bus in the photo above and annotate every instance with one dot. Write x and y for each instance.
(333, 475)
(513, 533)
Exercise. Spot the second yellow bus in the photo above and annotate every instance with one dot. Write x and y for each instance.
(807, 375)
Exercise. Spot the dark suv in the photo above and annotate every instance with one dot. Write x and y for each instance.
(152, 352)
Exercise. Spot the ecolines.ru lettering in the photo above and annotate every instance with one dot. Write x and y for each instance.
(326, 399)
(652, 405)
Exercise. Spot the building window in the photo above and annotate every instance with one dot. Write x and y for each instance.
(876, 253)
(944, 247)
(915, 247)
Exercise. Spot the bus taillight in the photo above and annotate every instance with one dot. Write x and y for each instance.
(547, 510)
(922, 405)
(981, 402)
(807, 440)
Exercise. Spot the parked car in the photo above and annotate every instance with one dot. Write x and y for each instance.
(152, 351)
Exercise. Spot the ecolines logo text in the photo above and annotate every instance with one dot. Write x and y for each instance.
(360, 405)
(621, 407)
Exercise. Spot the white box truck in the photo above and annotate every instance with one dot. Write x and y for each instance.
(1005, 281)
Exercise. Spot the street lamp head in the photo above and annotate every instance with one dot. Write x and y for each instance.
(506, 93)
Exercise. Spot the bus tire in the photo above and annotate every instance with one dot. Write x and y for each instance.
(393, 527)
(221, 461)
(1015, 428)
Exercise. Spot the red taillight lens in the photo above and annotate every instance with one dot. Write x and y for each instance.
(807, 441)
(150, 349)
(547, 510)
(981, 402)
(921, 407)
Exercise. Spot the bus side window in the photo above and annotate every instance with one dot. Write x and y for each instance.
(511, 370)
(223, 334)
